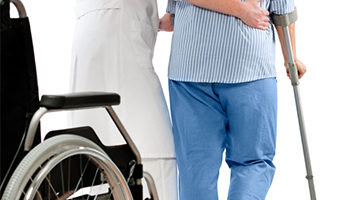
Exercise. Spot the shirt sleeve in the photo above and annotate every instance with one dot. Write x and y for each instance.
(171, 8)
(281, 7)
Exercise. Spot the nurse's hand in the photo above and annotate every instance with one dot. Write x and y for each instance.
(165, 23)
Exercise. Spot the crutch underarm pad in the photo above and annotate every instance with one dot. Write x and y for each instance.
(79, 100)
(285, 20)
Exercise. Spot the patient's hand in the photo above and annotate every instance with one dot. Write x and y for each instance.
(253, 15)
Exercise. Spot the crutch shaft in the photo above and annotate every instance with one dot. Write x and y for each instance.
(293, 72)
(304, 141)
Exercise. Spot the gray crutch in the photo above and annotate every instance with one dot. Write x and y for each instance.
(284, 21)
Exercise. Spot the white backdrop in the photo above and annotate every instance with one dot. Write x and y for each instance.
(323, 45)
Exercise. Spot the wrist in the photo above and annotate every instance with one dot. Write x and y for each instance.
(238, 8)
(286, 62)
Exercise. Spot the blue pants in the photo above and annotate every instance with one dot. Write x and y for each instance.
(209, 118)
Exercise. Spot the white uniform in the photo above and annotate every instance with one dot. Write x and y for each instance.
(112, 51)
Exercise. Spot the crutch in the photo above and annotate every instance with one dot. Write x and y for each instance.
(284, 21)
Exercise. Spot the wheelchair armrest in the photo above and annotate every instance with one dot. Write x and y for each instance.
(79, 100)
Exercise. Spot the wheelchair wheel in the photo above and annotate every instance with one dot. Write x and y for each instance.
(67, 167)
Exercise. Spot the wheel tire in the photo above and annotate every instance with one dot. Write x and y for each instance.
(30, 174)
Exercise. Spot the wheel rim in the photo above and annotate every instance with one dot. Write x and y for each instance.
(99, 159)
(56, 152)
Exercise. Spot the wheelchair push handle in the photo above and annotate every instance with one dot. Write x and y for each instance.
(19, 5)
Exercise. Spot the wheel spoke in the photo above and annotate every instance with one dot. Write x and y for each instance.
(81, 168)
(62, 178)
(50, 187)
(110, 194)
(100, 190)
(38, 196)
(93, 181)
(66, 195)
(82, 174)
(68, 173)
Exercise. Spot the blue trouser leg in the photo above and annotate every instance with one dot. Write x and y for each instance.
(251, 142)
(199, 134)
(207, 118)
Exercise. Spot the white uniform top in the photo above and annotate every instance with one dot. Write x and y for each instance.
(112, 51)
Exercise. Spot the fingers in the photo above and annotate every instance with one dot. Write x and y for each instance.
(301, 73)
(263, 26)
(264, 23)
(266, 13)
(266, 18)
(300, 67)
(287, 70)
(254, 16)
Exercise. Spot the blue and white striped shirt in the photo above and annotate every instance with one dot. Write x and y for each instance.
(211, 47)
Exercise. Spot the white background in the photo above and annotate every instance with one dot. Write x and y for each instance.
(323, 46)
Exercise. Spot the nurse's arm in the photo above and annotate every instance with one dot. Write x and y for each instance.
(249, 11)
(300, 66)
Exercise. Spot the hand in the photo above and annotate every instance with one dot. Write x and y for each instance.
(253, 15)
(300, 66)
(165, 23)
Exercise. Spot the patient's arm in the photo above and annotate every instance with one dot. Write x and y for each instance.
(300, 66)
(249, 11)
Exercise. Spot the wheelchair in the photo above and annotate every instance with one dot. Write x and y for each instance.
(73, 163)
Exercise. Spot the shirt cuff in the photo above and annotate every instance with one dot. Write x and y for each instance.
(171, 8)
(281, 7)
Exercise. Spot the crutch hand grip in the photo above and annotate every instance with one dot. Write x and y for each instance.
(293, 73)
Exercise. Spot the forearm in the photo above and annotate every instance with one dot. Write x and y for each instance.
(229, 7)
(248, 11)
(300, 66)
(291, 28)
